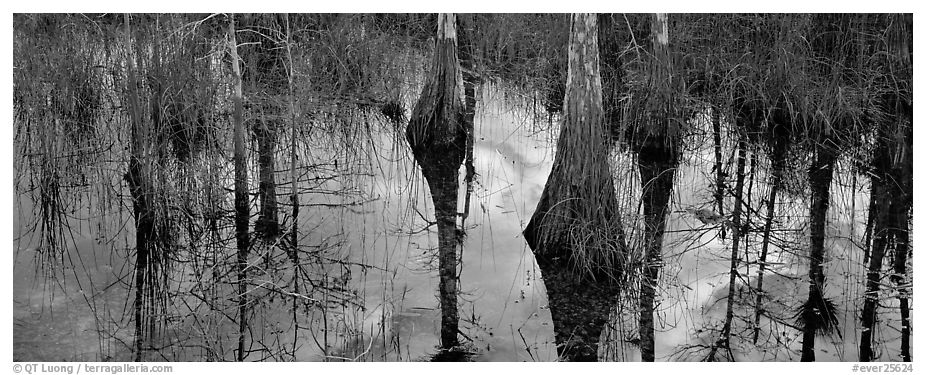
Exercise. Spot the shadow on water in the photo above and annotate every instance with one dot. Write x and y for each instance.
(455, 354)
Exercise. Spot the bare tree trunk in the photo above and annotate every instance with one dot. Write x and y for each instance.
(242, 209)
(814, 311)
(718, 165)
(437, 135)
(724, 341)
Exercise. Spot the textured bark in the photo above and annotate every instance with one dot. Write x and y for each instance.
(470, 80)
(657, 160)
(611, 43)
(821, 174)
(242, 209)
(437, 136)
(579, 196)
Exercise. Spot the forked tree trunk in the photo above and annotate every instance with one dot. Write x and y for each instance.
(575, 232)
(242, 210)
(437, 136)
(657, 160)
(821, 174)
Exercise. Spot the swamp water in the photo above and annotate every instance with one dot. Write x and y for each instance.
(86, 314)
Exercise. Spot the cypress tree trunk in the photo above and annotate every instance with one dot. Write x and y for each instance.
(903, 205)
(657, 161)
(892, 197)
(264, 74)
(437, 136)
(138, 178)
(813, 313)
(900, 280)
(470, 80)
(574, 232)
(880, 237)
(242, 210)
(611, 44)
(268, 224)
(904, 175)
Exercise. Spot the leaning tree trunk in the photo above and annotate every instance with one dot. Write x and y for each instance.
(242, 214)
(657, 159)
(574, 232)
(437, 136)
(815, 314)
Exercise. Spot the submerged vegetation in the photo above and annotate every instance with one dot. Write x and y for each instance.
(222, 169)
